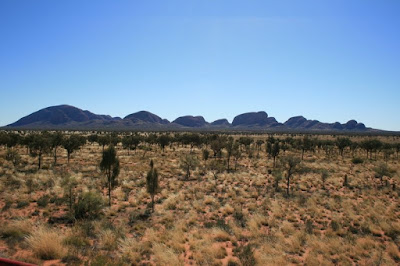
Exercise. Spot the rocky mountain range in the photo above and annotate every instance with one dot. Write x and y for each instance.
(69, 117)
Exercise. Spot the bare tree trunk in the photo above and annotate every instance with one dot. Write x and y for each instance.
(288, 185)
(40, 160)
(109, 193)
(55, 156)
(70, 198)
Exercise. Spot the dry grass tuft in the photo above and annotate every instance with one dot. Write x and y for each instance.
(130, 249)
(165, 256)
(16, 230)
(47, 243)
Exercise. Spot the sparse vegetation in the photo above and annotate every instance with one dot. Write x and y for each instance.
(230, 208)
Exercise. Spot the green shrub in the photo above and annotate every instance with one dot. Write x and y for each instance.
(77, 241)
(89, 206)
(8, 202)
(309, 227)
(16, 230)
(43, 201)
(12, 183)
(13, 157)
(357, 160)
(335, 225)
(87, 229)
(239, 217)
(71, 259)
(246, 255)
(22, 204)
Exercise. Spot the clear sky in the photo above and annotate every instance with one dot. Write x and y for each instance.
(327, 60)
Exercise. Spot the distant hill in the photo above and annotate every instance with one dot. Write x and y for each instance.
(144, 116)
(60, 115)
(69, 117)
(221, 122)
(252, 119)
(299, 122)
(191, 121)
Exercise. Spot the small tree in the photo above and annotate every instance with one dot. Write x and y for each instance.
(397, 146)
(268, 149)
(236, 153)
(69, 183)
(275, 151)
(9, 139)
(324, 177)
(152, 183)
(39, 145)
(342, 144)
(306, 144)
(93, 138)
(345, 181)
(110, 166)
(13, 156)
(216, 146)
(188, 163)
(126, 143)
(163, 141)
(277, 178)
(387, 151)
(259, 143)
(216, 167)
(291, 165)
(371, 145)
(246, 142)
(206, 154)
(73, 143)
(229, 148)
(103, 141)
(56, 140)
(131, 142)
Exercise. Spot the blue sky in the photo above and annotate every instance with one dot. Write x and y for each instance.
(326, 60)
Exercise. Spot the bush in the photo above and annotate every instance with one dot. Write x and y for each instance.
(22, 204)
(47, 244)
(309, 227)
(246, 255)
(16, 230)
(89, 206)
(335, 225)
(13, 157)
(357, 160)
(43, 201)
(206, 154)
(77, 241)
(8, 202)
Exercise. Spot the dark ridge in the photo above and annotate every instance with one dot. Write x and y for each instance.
(68, 117)
(61, 114)
(190, 121)
(252, 118)
(144, 116)
(221, 122)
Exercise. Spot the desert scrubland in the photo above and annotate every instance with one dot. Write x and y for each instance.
(341, 208)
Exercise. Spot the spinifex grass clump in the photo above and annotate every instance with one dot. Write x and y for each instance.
(47, 243)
